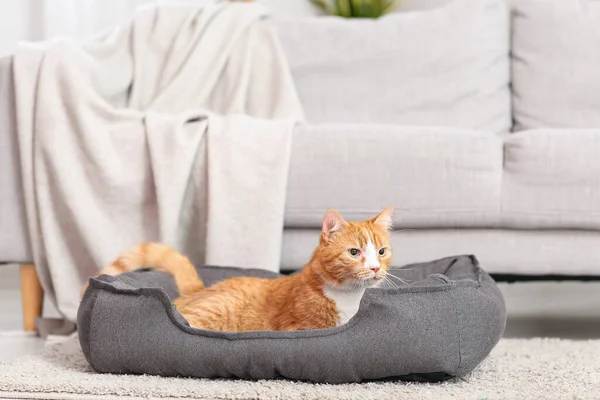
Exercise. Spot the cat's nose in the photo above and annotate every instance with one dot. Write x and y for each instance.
(374, 269)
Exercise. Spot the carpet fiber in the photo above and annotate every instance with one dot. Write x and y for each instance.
(516, 369)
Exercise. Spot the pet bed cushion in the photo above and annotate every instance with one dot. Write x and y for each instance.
(441, 324)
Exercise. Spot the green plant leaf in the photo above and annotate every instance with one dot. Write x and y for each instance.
(371, 10)
(343, 8)
(375, 9)
(357, 8)
(323, 6)
(367, 10)
(352, 8)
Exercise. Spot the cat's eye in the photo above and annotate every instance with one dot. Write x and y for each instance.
(353, 252)
(382, 251)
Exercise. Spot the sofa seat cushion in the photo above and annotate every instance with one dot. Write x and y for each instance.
(443, 66)
(446, 178)
(552, 179)
(434, 177)
(502, 251)
(556, 63)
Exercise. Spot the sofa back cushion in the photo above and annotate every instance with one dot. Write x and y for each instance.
(445, 66)
(556, 63)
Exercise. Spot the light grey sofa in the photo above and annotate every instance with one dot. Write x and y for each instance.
(480, 125)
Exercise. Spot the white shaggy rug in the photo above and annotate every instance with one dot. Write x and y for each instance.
(516, 369)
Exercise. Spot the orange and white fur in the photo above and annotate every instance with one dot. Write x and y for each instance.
(350, 257)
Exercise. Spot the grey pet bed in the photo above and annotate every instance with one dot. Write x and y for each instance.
(440, 325)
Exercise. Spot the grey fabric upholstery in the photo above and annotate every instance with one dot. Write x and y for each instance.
(434, 177)
(440, 325)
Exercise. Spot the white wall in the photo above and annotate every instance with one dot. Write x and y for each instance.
(12, 24)
(42, 19)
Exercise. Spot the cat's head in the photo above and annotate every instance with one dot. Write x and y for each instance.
(354, 254)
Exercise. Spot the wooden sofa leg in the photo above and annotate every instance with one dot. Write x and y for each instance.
(32, 296)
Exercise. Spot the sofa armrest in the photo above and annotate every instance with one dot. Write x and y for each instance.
(14, 238)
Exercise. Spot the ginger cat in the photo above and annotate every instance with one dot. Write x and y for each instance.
(350, 257)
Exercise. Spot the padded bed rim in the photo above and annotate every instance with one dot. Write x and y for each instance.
(103, 282)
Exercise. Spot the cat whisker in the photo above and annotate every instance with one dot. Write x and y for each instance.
(339, 278)
(400, 279)
(390, 282)
(329, 289)
(342, 277)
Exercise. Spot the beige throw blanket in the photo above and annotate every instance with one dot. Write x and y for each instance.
(174, 128)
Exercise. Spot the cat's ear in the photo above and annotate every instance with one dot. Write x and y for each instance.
(384, 219)
(332, 221)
